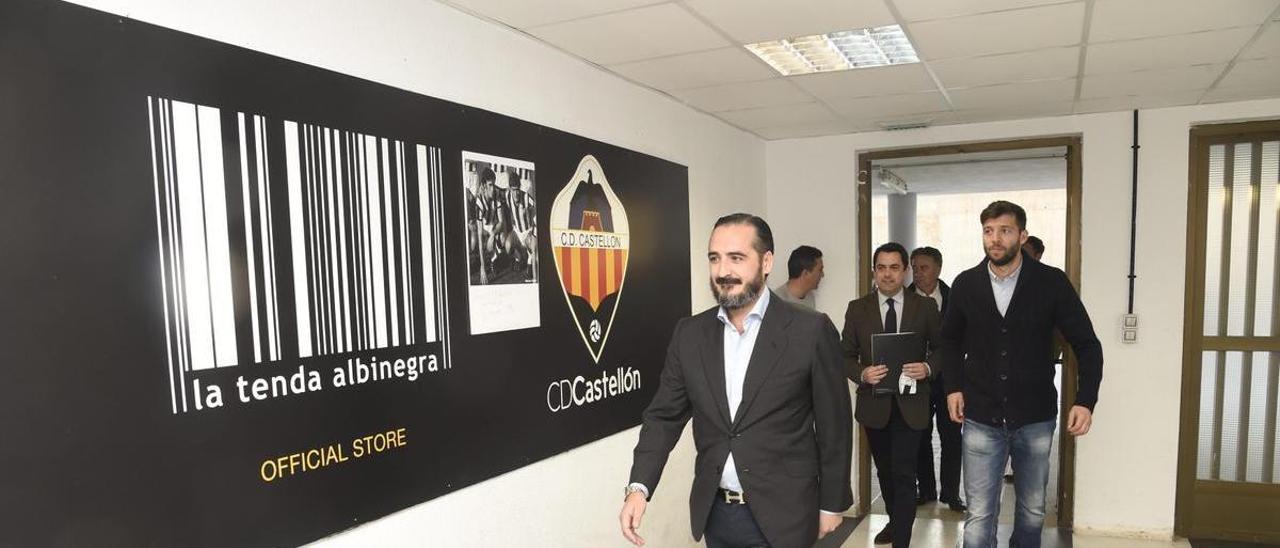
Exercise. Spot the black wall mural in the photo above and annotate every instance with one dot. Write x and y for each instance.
(245, 301)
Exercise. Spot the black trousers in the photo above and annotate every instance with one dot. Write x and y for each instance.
(894, 448)
(732, 525)
(952, 449)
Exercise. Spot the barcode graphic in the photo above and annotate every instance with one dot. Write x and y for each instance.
(280, 239)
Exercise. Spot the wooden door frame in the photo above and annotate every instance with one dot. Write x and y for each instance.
(1073, 144)
(1201, 137)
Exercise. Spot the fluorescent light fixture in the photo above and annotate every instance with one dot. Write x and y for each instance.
(848, 49)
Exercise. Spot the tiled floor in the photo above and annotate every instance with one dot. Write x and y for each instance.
(930, 533)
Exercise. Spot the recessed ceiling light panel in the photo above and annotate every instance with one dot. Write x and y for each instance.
(844, 50)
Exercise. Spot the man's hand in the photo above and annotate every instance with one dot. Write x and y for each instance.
(917, 370)
(955, 407)
(874, 374)
(629, 519)
(1079, 420)
(828, 523)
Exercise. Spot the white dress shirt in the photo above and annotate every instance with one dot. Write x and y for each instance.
(1003, 287)
(737, 354)
(936, 295)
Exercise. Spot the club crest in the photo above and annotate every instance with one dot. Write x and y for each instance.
(590, 240)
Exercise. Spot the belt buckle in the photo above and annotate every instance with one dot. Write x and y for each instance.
(734, 497)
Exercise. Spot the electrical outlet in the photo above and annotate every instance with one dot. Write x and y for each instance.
(1129, 328)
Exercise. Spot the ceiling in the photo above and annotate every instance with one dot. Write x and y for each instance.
(981, 60)
(995, 171)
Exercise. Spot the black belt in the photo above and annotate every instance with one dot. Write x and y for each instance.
(731, 497)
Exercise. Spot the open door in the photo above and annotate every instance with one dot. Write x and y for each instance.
(1070, 148)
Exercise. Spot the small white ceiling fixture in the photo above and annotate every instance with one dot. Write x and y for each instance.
(843, 50)
(892, 181)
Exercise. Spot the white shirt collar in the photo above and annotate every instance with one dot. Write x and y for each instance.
(936, 288)
(1012, 276)
(897, 297)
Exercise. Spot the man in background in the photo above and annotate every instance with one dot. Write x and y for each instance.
(894, 411)
(926, 265)
(1034, 247)
(804, 273)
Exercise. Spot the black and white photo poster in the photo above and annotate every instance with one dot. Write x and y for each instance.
(502, 243)
(249, 302)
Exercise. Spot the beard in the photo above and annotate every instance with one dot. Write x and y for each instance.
(751, 290)
(1009, 255)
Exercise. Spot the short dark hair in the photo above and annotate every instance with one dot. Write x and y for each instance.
(1036, 243)
(891, 247)
(927, 251)
(803, 258)
(1000, 208)
(764, 236)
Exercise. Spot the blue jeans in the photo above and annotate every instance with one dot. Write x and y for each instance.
(986, 449)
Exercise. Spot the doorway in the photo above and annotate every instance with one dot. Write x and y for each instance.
(1044, 176)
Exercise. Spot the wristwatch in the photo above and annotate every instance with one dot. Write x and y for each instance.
(634, 488)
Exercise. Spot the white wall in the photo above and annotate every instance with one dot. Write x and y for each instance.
(1125, 475)
(419, 45)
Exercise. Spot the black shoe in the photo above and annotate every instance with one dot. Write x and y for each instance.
(956, 505)
(885, 536)
(925, 499)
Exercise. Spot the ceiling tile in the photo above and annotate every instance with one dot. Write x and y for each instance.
(866, 82)
(1268, 45)
(764, 93)
(1223, 95)
(632, 35)
(1005, 113)
(1009, 67)
(1166, 51)
(796, 131)
(755, 118)
(750, 21)
(920, 10)
(1122, 19)
(1146, 82)
(1130, 102)
(695, 70)
(888, 106)
(529, 13)
(1008, 95)
(1254, 74)
(1001, 32)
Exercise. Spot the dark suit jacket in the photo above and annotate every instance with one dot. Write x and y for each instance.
(861, 321)
(792, 438)
(939, 384)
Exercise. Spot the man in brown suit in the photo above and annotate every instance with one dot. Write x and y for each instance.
(893, 421)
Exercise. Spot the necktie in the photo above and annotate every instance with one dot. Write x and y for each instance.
(891, 319)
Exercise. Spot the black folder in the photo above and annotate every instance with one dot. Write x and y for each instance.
(894, 350)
